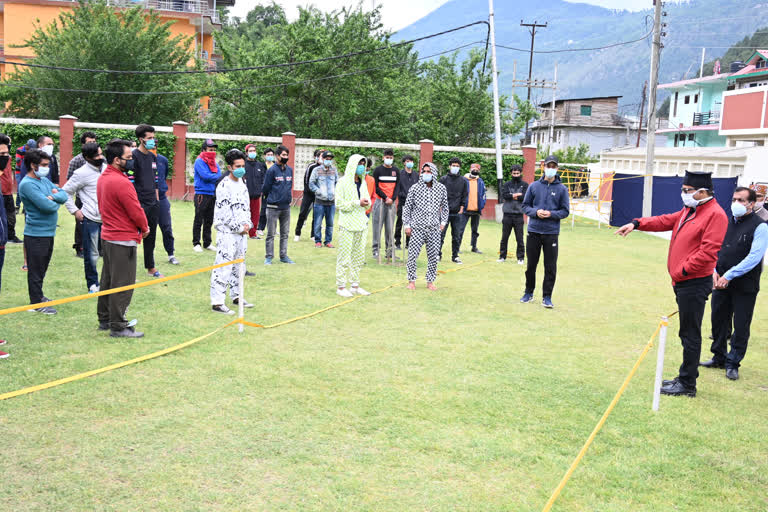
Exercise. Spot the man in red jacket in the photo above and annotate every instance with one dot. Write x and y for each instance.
(123, 226)
(697, 234)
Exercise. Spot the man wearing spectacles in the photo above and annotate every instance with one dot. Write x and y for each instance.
(697, 234)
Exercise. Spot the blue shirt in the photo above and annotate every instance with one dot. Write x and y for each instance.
(755, 256)
(41, 212)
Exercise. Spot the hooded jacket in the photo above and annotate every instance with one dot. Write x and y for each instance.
(513, 206)
(255, 172)
(83, 185)
(407, 180)
(351, 215)
(542, 195)
(232, 212)
(205, 180)
(426, 207)
(457, 188)
(278, 185)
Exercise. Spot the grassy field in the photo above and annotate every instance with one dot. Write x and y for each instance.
(461, 399)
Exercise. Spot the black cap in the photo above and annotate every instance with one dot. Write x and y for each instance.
(327, 154)
(550, 159)
(698, 180)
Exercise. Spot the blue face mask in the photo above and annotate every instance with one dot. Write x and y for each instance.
(150, 144)
(270, 158)
(239, 172)
(454, 170)
(409, 165)
(360, 170)
(252, 155)
(550, 173)
(327, 163)
(738, 209)
(426, 178)
(42, 172)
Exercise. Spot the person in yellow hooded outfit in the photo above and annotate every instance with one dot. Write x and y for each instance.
(352, 200)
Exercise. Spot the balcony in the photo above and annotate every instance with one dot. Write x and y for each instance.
(706, 118)
(182, 6)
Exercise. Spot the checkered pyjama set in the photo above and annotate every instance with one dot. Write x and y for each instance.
(425, 210)
(433, 240)
(350, 256)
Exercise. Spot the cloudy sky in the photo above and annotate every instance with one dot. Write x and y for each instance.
(401, 13)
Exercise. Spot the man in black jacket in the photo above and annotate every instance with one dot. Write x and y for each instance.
(408, 178)
(308, 197)
(513, 193)
(736, 282)
(458, 194)
(254, 180)
(144, 179)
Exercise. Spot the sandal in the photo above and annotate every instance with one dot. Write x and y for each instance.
(156, 274)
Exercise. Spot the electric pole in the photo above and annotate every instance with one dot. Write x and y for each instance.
(496, 113)
(642, 108)
(532, 29)
(650, 145)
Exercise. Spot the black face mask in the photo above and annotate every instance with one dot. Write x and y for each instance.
(96, 162)
(4, 161)
(475, 173)
(283, 160)
(515, 178)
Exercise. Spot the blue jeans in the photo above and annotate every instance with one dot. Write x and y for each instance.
(91, 235)
(327, 211)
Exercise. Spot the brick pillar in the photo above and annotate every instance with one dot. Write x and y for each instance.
(426, 152)
(66, 134)
(289, 141)
(529, 167)
(178, 185)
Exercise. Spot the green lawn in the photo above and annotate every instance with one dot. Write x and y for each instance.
(461, 399)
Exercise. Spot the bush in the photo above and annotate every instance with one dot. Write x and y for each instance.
(487, 164)
(166, 142)
(21, 133)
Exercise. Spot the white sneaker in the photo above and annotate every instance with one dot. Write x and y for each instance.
(520, 262)
(359, 291)
(501, 260)
(172, 260)
(93, 289)
(344, 292)
(296, 238)
(211, 247)
(222, 309)
(259, 232)
(197, 248)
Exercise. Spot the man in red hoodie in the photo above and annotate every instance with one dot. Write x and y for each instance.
(697, 234)
(124, 224)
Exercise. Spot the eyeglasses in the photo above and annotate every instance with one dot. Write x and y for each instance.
(688, 190)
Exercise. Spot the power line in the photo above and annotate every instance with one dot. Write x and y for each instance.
(578, 49)
(255, 88)
(248, 68)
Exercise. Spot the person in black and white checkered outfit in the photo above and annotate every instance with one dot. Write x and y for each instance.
(425, 215)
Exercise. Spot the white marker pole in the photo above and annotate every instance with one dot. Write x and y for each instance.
(660, 362)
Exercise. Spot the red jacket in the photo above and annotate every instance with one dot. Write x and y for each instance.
(6, 180)
(121, 214)
(695, 240)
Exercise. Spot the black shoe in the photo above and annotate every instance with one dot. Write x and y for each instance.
(79, 254)
(398, 247)
(712, 364)
(103, 326)
(248, 273)
(732, 373)
(15, 240)
(677, 388)
(128, 332)
(666, 382)
(476, 250)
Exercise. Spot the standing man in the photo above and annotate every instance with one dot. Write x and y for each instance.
(6, 184)
(546, 203)
(322, 183)
(47, 146)
(352, 200)
(425, 215)
(278, 185)
(164, 209)
(386, 177)
(82, 184)
(74, 164)
(697, 234)
(255, 172)
(144, 177)
(408, 178)
(458, 194)
(513, 193)
(736, 283)
(124, 224)
(207, 174)
(475, 204)
(308, 197)
(5, 159)
(232, 218)
(269, 161)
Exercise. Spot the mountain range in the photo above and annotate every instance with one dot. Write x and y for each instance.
(615, 71)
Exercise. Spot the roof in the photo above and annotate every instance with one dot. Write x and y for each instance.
(580, 99)
(692, 81)
(751, 68)
(697, 128)
(756, 55)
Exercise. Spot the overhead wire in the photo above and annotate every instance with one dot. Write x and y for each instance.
(565, 50)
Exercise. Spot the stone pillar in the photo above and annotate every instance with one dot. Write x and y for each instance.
(178, 185)
(289, 141)
(426, 152)
(66, 134)
(529, 167)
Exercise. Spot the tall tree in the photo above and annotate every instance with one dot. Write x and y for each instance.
(96, 36)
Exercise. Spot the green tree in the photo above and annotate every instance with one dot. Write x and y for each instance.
(96, 36)
(525, 111)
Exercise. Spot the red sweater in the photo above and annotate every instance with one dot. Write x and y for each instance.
(6, 180)
(121, 214)
(695, 240)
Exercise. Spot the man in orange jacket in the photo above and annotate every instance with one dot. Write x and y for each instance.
(697, 234)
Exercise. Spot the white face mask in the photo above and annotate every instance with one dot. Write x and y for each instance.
(759, 205)
(388, 161)
(48, 150)
(688, 200)
(454, 170)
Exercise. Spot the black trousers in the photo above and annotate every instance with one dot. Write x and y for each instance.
(10, 212)
(455, 222)
(399, 224)
(153, 216)
(538, 243)
(263, 215)
(78, 245)
(691, 296)
(39, 251)
(473, 219)
(204, 206)
(512, 221)
(2, 262)
(731, 314)
(307, 201)
(118, 269)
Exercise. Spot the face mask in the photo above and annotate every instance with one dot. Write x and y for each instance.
(283, 160)
(738, 209)
(550, 173)
(48, 150)
(127, 165)
(270, 158)
(688, 200)
(96, 162)
(409, 165)
(388, 161)
(454, 170)
(515, 178)
(327, 163)
(239, 172)
(149, 144)
(426, 178)
(475, 173)
(4, 161)
(757, 205)
(42, 172)
(252, 155)
(360, 170)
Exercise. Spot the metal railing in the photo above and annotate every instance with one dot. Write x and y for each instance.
(706, 118)
(188, 6)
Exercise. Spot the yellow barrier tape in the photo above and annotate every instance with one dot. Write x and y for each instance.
(600, 423)
(91, 373)
(52, 303)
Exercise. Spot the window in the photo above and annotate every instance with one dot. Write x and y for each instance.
(687, 100)
(760, 64)
(674, 110)
(696, 98)
(690, 137)
(676, 140)
(586, 110)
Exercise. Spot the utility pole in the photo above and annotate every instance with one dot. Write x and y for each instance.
(642, 108)
(532, 29)
(552, 123)
(650, 145)
(496, 113)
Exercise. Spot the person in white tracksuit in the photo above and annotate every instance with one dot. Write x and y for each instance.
(232, 220)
